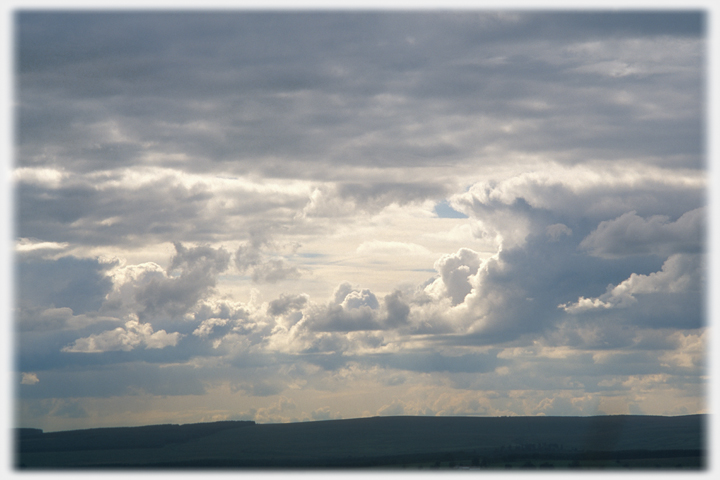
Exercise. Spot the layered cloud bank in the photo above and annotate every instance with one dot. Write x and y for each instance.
(282, 217)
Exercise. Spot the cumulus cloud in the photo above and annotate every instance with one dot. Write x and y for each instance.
(521, 203)
(150, 291)
(29, 378)
(287, 303)
(350, 310)
(681, 273)
(455, 272)
(512, 293)
(356, 299)
(356, 310)
(397, 310)
(132, 335)
(631, 234)
(210, 326)
(538, 220)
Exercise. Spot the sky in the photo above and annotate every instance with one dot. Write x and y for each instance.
(287, 216)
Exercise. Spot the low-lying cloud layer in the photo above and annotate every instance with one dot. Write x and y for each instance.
(302, 216)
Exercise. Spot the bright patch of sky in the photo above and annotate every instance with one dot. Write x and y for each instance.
(295, 216)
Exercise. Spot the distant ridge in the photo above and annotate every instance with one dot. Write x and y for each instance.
(107, 438)
(372, 441)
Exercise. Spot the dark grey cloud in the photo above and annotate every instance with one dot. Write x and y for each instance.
(46, 350)
(672, 296)
(432, 361)
(397, 309)
(68, 282)
(157, 210)
(541, 199)
(356, 310)
(384, 193)
(155, 213)
(109, 381)
(262, 388)
(174, 295)
(630, 234)
(519, 293)
(286, 303)
(686, 23)
(340, 318)
(221, 310)
(221, 89)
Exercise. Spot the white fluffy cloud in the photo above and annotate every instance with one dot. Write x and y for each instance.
(681, 273)
(149, 291)
(456, 271)
(593, 191)
(29, 378)
(132, 335)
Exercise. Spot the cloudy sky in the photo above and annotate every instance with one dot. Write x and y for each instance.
(298, 216)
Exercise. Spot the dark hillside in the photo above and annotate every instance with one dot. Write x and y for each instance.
(377, 441)
(34, 440)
